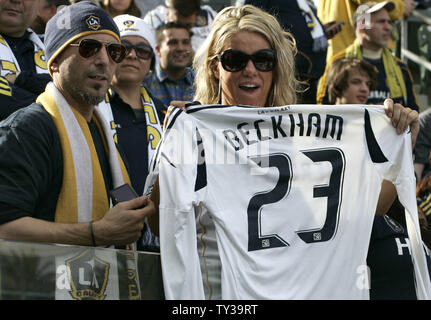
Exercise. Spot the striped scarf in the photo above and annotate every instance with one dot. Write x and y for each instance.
(9, 63)
(154, 127)
(83, 194)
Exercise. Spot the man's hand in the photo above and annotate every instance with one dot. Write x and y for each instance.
(174, 104)
(409, 7)
(402, 117)
(123, 223)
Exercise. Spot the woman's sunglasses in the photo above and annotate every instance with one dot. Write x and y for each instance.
(236, 60)
(143, 51)
(90, 47)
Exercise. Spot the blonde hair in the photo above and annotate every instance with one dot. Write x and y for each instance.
(226, 24)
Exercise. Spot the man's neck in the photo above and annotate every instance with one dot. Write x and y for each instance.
(12, 33)
(175, 74)
(372, 53)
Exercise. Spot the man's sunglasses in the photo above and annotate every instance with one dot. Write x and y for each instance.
(236, 60)
(143, 51)
(90, 47)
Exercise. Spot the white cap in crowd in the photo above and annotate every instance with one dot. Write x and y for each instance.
(133, 26)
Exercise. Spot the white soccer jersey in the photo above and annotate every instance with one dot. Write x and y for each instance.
(283, 198)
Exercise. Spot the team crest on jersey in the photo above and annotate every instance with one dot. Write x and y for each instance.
(93, 22)
(88, 276)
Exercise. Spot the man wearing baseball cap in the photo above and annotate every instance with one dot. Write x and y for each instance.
(343, 11)
(59, 160)
(373, 30)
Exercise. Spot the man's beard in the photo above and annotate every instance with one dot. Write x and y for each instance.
(80, 92)
(78, 89)
(88, 98)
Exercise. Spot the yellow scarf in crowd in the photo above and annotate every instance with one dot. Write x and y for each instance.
(83, 194)
(394, 75)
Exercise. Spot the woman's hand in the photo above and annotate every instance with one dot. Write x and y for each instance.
(174, 104)
(402, 117)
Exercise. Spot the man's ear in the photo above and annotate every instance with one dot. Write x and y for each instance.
(157, 48)
(54, 67)
(52, 11)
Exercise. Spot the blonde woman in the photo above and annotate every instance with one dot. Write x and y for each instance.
(247, 60)
(249, 30)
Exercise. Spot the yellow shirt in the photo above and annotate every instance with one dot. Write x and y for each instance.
(343, 10)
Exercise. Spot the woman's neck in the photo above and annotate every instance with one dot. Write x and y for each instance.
(131, 94)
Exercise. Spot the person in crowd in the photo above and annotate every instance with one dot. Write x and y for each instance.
(23, 72)
(47, 9)
(300, 18)
(373, 27)
(117, 7)
(196, 17)
(343, 11)
(350, 82)
(59, 161)
(133, 114)
(249, 60)
(172, 79)
(422, 151)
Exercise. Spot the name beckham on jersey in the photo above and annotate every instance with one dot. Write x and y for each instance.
(281, 126)
(250, 138)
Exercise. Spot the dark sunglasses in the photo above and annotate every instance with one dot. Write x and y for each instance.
(143, 51)
(236, 60)
(90, 47)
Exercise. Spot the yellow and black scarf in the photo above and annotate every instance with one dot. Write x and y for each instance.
(83, 194)
(154, 125)
(9, 63)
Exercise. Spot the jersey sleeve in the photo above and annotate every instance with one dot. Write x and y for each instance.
(178, 178)
(396, 165)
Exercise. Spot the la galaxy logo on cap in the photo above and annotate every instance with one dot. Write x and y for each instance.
(93, 22)
(128, 23)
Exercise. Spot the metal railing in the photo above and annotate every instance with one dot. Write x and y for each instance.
(418, 15)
